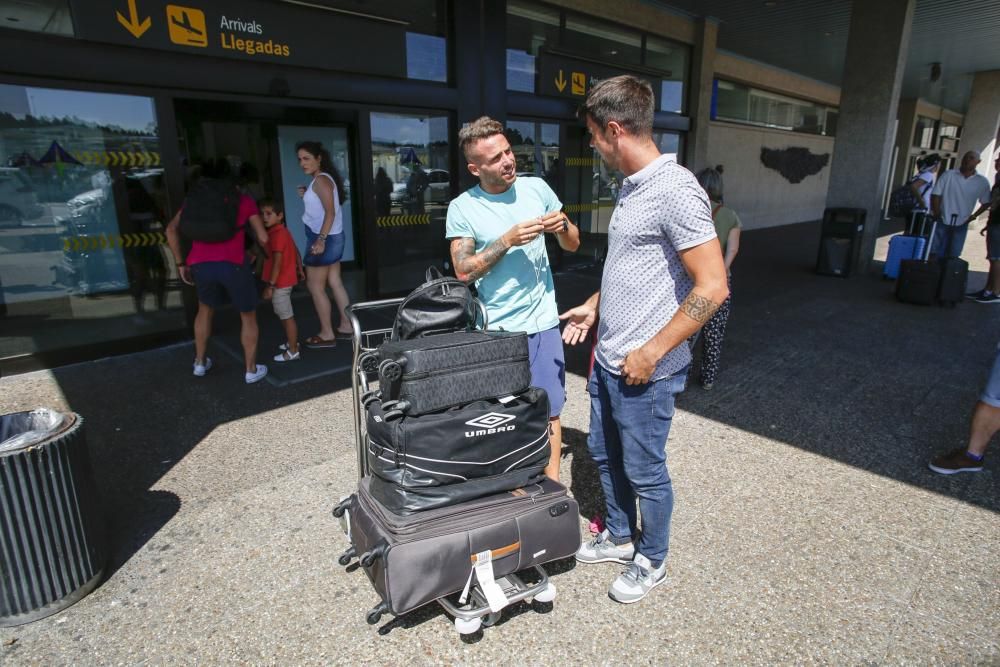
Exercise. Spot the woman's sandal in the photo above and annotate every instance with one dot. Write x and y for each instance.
(316, 342)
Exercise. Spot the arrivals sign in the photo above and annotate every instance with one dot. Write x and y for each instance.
(564, 76)
(244, 29)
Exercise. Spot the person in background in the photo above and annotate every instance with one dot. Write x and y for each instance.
(922, 184)
(323, 218)
(221, 273)
(282, 270)
(727, 228)
(954, 196)
(991, 292)
(383, 193)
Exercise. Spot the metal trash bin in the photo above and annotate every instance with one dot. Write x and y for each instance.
(840, 241)
(52, 539)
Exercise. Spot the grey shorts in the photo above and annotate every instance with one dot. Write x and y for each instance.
(993, 242)
(991, 392)
(281, 301)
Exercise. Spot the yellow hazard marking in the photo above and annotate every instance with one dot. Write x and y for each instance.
(187, 26)
(582, 161)
(580, 208)
(103, 241)
(403, 220)
(119, 158)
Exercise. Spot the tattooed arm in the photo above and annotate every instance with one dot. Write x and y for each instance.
(705, 265)
(470, 265)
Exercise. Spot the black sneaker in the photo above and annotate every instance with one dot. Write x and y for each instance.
(988, 298)
(956, 461)
(976, 295)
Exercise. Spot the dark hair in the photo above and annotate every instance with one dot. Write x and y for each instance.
(214, 167)
(626, 99)
(273, 204)
(316, 149)
(711, 182)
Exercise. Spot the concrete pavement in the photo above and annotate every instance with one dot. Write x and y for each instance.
(807, 528)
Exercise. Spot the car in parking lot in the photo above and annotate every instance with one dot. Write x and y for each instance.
(438, 189)
(18, 199)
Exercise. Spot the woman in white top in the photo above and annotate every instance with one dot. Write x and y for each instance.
(324, 227)
(923, 182)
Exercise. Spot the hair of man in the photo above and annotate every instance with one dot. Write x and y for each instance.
(479, 129)
(626, 99)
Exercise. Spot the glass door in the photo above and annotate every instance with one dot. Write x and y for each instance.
(411, 155)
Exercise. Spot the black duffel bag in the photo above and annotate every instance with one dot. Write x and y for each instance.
(441, 305)
(448, 457)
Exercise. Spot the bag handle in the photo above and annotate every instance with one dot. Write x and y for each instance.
(432, 273)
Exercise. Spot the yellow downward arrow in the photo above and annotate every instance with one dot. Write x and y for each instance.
(561, 82)
(132, 23)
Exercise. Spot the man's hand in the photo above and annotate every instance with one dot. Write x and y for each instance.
(185, 273)
(639, 365)
(554, 222)
(581, 320)
(523, 233)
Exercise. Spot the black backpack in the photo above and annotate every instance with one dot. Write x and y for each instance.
(441, 305)
(902, 202)
(211, 210)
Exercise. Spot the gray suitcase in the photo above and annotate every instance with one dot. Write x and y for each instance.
(415, 559)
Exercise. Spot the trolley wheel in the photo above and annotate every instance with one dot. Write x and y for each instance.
(347, 556)
(467, 626)
(547, 595)
(491, 619)
(374, 615)
(369, 396)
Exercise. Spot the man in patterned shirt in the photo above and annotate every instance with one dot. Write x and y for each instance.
(663, 279)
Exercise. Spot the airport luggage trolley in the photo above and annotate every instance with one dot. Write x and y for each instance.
(371, 323)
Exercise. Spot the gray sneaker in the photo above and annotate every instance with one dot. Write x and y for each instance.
(637, 580)
(601, 549)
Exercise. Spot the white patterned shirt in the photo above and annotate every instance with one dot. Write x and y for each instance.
(661, 210)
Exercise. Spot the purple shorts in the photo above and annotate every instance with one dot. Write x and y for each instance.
(548, 367)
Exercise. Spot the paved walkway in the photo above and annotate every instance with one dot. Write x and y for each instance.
(807, 526)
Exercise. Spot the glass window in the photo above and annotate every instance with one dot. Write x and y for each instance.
(82, 208)
(410, 160)
(923, 135)
(742, 104)
(596, 39)
(49, 16)
(671, 59)
(529, 28)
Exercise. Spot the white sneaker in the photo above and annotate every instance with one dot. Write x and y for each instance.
(638, 579)
(286, 356)
(257, 375)
(201, 369)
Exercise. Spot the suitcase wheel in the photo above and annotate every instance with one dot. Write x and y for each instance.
(341, 507)
(369, 396)
(390, 370)
(468, 626)
(368, 362)
(397, 412)
(374, 615)
(547, 595)
(491, 619)
(368, 558)
(347, 556)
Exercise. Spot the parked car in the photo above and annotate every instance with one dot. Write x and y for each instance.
(18, 199)
(438, 189)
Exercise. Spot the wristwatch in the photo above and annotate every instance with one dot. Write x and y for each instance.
(321, 237)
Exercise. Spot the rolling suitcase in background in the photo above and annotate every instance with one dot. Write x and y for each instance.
(437, 372)
(910, 245)
(413, 560)
(456, 455)
(919, 279)
(954, 276)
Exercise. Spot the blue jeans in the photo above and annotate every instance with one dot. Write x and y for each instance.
(948, 241)
(628, 440)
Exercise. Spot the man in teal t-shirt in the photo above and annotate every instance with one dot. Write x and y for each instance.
(496, 230)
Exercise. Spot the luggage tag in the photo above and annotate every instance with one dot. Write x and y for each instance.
(483, 569)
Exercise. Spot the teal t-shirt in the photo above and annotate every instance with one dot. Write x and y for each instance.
(518, 291)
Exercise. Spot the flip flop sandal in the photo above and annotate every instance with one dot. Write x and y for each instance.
(344, 335)
(316, 342)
